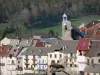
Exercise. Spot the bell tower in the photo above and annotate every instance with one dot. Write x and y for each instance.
(66, 28)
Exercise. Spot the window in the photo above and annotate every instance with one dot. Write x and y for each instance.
(88, 61)
(71, 54)
(18, 66)
(60, 55)
(13, 62)
(70, 65)
(10, 55)
(50, 55)
(70, 60)
(26, 56)
(39, 61)
(75, 65)
(52, 61)
(39, 56)
(98, 54)
(42, 61)
(57, 61)
(26, 65)
(18, 61)
(92, 61)
(43, 67)
(55, 56)
(99, 60)
(14, 50)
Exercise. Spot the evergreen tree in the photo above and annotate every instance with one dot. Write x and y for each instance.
(51, 32)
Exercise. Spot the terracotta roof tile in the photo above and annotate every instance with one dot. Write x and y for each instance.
(4, 50)
(89, 33)
(40, 44)
(92, 23)
(83, 44)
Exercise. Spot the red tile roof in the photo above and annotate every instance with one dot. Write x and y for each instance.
(91, 24)
(83, 44)
(4, 50)
(40, 44)
(93, 29)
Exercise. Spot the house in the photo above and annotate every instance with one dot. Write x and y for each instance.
(64, 53)
(19, 58)
(93, 28)
(8, 62)
(93, 58)
(91, 51)
(48, 41)
(35, 59)
(9, 41)
(82, 49)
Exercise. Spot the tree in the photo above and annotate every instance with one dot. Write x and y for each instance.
(56, 35)
(51, 32)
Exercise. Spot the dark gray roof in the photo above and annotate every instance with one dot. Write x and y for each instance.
(96, 37)
(25, 43)
(49, 40)
(70, 45)
(13, 37)
(43, 35)
(94, 48)
(70, 48)
(37, 51)
(93, 69)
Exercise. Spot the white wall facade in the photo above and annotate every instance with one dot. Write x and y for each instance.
(55, 56)
(10, 66)
(38, 64)
(66, 34)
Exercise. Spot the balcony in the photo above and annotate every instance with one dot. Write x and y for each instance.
(26, 63)
(34, 59)
(19, 68)
(26, 59)
(34, 64)
(42, 64)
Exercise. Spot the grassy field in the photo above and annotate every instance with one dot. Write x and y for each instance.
(57, 26)
(77, 22)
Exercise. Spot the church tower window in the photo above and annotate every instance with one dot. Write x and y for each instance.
(65, 27)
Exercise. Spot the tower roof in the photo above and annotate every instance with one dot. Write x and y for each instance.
(64, 15)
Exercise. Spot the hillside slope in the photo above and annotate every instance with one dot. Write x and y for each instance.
(33, 10)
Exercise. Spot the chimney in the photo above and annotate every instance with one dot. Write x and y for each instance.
(27, 41)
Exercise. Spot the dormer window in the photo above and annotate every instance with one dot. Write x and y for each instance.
(40, 50)
(99, 60)
(98, 54)
(90, 42)
(92, 61)
(56, 50)
(10, 55)
(90, 46)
